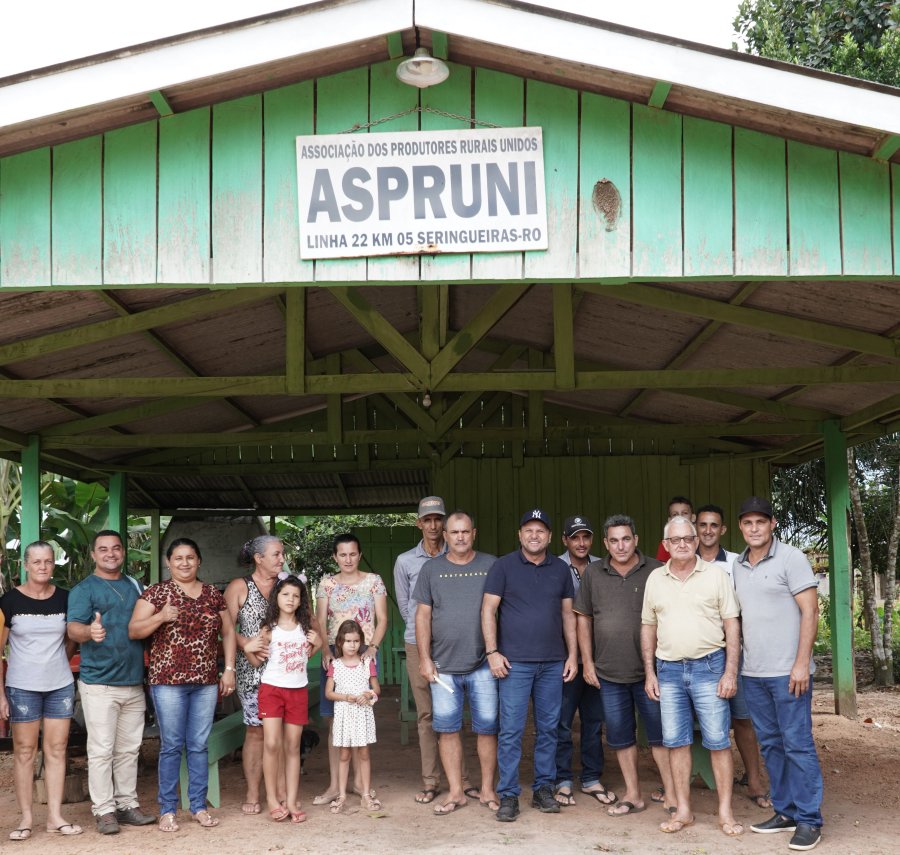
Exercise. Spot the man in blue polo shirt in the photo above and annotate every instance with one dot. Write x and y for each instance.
(529, 635)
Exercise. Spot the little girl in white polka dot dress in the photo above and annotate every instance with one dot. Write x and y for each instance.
(352, 683)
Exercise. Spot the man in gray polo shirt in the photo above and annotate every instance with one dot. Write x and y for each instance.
(608, 609)
(430, 521)
(452, 657)
(780, 609)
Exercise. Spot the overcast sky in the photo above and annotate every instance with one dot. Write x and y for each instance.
(80, 28)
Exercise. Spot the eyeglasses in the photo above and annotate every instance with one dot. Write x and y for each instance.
(677, 541)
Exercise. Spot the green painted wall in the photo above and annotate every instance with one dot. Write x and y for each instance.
(209, 196)
(498, 492)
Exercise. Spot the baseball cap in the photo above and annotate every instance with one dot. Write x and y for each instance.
(535, 514)
(575, 524)
(431, 505)
(756, 505)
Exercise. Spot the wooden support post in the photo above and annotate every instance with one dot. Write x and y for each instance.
(117, 508)
(31, 497)
(155, 564)
(837, 491)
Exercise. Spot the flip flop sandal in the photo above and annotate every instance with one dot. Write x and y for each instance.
(682, 824)
(251, 808)
(488, 804)
(427, 796)
(630, 809)
(761, 797)
(448, 808)
(732, 826)
(566, 799)
(167, 823)
(472, 793)
(658, 795)
(279, 814)
(67, 829)
(298, 817)
(206, 819)
(598, 795)
(20, 834)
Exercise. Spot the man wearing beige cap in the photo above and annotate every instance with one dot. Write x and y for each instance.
(430, 521)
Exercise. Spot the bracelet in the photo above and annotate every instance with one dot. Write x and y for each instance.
(490, 652)
(229, 668)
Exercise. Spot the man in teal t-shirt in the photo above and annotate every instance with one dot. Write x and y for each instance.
(110, 684)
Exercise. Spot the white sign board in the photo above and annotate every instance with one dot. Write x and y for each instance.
(421, 192)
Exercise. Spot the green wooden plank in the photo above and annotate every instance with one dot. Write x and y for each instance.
(454, 95)
(499, 100)
(708, 203)
(604, 203)
(237, 190)
(288, 113)
(895, 185)
(25, 219)
(184, 214)
(129, 205)
(865, 215)
(76, 215)
(656, 183)
(387, 97)
(815, 229)
(760, 204)
(342, 101)
(555, 109)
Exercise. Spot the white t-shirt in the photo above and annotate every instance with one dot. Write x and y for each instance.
(288, 655)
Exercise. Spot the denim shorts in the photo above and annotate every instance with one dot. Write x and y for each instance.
(482, 689)
(25, 705)
(619, 701)
(738, 703)
(687, 687)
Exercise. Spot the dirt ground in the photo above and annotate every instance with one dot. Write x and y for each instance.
(860, 761)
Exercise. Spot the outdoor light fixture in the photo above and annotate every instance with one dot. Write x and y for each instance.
(426, 400)
(422, 69)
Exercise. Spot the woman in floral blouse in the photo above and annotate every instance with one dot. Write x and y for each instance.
(350, 594)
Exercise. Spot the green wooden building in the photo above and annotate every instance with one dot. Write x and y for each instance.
(719, 294)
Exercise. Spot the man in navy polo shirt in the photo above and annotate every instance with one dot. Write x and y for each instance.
(529, 636)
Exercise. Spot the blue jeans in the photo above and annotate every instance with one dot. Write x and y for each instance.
(584, 699)
(688, 687)
(783, 725)
(185, 715)
(542, 683)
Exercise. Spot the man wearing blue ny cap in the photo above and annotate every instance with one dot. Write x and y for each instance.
(529, 636)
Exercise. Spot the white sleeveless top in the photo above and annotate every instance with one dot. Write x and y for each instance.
(288, 655)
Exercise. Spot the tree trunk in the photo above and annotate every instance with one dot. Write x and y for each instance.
(890, 589)
(866, 576)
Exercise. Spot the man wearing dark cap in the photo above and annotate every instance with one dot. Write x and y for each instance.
(578, 696)
(430, 521)
(780, 610)
(530, 645)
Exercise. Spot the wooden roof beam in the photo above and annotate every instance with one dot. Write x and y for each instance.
(828, 335)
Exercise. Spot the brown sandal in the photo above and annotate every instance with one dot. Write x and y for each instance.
(206, 819)
(167, 822)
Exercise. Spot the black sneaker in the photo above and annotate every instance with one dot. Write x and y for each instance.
(544, 801)
(805, 837)
(107, 823)
(509, 809)
(777, 822)
(134, 816)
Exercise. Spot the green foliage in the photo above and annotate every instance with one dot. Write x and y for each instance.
(308, 540)
(862, 640)
(859, 38)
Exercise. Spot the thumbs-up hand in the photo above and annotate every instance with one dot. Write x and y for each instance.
(169, 612)
(98, 631)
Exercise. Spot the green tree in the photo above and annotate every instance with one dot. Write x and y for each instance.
(858, 38)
